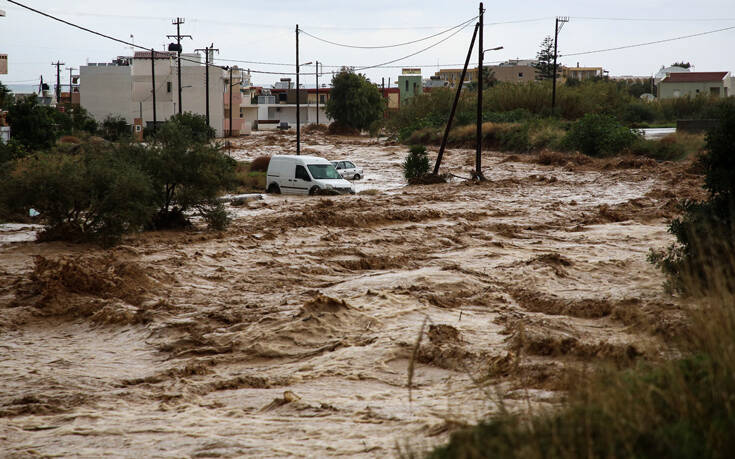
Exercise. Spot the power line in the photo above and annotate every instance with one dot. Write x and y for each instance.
(592, 18)
(76, 26)
(395, 45)
(417, 52)
(648, 43)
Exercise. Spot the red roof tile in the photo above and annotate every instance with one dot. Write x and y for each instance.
(695, 77)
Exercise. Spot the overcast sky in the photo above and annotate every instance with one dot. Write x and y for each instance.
(264, 31)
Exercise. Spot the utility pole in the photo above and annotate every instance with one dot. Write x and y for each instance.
(480, 54)
(58, 65)
(207, 52)
(177, 22)
(153, 88)
(454, 104)
(298, 99)
(317, 93)
(71, 82)
(560, 21)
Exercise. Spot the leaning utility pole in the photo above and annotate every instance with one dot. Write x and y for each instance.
(298, 101)
(456, 100)
(153, 88)
(177, 22)
(207, 50)
(480, 54)
(560, 21)
(58, 65)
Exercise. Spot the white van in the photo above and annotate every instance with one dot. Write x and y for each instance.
(292, 174)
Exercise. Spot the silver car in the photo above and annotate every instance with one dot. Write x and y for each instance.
(348, 170)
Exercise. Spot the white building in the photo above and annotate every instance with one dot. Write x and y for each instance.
(125, 88)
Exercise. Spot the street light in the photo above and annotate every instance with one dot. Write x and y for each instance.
(497, 48)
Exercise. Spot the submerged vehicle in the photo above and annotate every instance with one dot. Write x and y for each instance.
(292, 174)
(348, 170)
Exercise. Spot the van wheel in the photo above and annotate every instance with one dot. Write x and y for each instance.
(356, 177)
(314, 190)
(273, 188)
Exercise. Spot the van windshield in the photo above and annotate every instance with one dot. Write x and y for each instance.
(323, 171)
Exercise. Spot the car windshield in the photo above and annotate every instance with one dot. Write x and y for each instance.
(323, 171)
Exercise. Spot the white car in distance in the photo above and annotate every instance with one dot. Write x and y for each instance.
(348, 170)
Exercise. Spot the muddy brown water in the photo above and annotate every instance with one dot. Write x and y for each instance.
(291, 333)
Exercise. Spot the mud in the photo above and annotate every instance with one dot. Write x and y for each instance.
(291, 333)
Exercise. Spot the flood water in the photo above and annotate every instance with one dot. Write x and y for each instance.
(291, 334)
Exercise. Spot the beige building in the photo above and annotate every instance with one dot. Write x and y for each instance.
(582, 73)
(506, 73)
(692, 84)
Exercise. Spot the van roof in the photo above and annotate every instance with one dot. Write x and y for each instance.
(303, 158)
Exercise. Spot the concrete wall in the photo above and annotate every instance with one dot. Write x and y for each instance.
(513, 73)
(287, 113)
(105, 91)
(671, 90)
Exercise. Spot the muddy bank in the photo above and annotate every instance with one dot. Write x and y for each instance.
(291, 333)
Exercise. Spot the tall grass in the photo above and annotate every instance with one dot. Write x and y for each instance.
(508, 102)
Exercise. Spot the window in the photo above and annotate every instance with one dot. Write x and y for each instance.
(302, 174)
(714, 91)
(322, 99)
(520, 74)
(323, 171)
(406, 85)
(349, 165)
(168, 86)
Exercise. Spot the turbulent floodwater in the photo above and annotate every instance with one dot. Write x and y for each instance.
(292, 333)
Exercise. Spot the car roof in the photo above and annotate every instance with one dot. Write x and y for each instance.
(303, 159)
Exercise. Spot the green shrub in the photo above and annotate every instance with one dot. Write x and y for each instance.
(11, 151)
(416, 164)
(705, 234)
(193, 127)
(216, 216)
(186, 172)
(90, 196)
(639, 112)
(116, 128)
(599, 135)
(33, 125)
(666, 149)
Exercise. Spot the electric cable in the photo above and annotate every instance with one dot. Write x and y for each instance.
(636, 45)
(395, 45)
(417, 52)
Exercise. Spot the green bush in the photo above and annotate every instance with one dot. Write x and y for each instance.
(416, 164)
(705, 234)
(639, 112)
(89, 196)
(186, 172)
(354, 101)
(599, 135)
(33, 125)
(193, 127)
(116, 128)
(666, 149)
